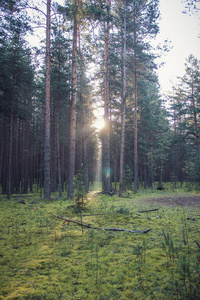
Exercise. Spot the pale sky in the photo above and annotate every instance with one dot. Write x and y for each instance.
(183, 31)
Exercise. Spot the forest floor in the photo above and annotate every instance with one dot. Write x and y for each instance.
(185, 201)
(157, 256)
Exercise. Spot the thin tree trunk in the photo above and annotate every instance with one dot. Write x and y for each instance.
(85, 161)
(135, 119)
(9, 185)
(84, 121)
(58, 153)
(58, 135)
(47, 178)
(2, 147)
(72, 126)
(123, 119)
(53, 143)
(106, 142)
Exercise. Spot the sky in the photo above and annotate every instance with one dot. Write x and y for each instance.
(183, 31)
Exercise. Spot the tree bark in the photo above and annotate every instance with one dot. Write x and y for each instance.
(58, 135)
(135, 118)
(106, 141)
(9, 185)
(72, 126)
(47, 178)
(123, 118)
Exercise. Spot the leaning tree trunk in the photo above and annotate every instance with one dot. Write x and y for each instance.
(106, 140)
(47, 178)
(72, 126)
(121, 172)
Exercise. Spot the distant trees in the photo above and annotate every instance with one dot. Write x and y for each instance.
(16, 87)
(22, 102)
(186, 118)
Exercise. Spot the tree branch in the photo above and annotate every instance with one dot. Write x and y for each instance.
(101, 228)
(37, 9)
(197, 244)
(184, 240)
(142, 211)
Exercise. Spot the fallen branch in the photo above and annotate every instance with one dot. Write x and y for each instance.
(101, 228)
(142, 211)
(184, 240)
(93, 215)
(197, 244)
(165, 235)
(191, 218)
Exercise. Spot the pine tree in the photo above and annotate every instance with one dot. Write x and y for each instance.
(47, 178)
(72, 126)
(123, 117)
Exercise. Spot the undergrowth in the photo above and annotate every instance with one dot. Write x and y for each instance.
(42, 257)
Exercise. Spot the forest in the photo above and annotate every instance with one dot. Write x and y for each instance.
(96, 54)
(99, 171)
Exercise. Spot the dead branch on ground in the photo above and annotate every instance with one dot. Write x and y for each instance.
(101, 228)
(165, 235)
(184, 240)
(142, 211)
(197, 244)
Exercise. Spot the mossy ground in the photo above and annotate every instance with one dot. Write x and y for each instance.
(41, 257)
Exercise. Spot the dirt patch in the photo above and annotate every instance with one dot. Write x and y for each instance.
(176, 200)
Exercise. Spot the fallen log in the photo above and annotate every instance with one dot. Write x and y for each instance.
(142, 211)
(102, 228)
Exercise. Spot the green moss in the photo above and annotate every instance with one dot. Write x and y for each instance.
(42, 257)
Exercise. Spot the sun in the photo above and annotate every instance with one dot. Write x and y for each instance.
(99, 118)
(99, 123)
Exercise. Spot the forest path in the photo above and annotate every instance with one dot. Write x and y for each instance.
(185, 201)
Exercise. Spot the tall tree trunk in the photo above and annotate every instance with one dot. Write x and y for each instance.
(2, 147)
(123, 118)
(9, 185)
(85, 159)
(53, 145)
(135, 118)
(195, 123)
(47, 178)
(58, 135)
(106, 141)
(84, 123)
(72, 126)
(58, 149)
(194, 113)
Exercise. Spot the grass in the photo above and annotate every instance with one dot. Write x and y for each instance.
(41, 257)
